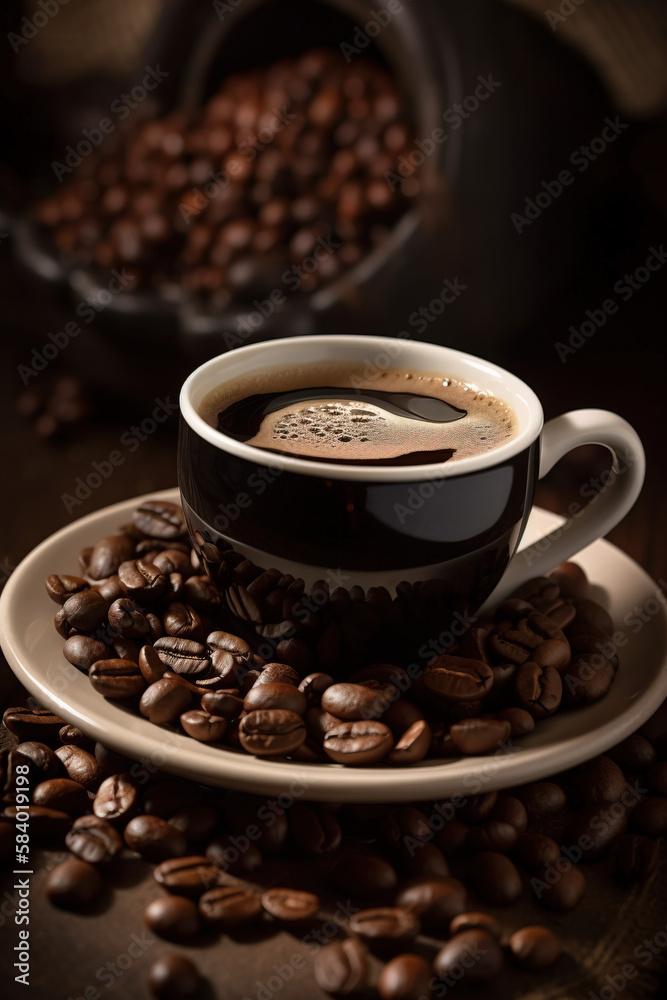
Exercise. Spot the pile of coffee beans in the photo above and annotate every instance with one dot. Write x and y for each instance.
(148, 627)
(277, 182)
(418, 879)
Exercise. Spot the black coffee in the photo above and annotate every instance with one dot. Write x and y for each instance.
(333, 413)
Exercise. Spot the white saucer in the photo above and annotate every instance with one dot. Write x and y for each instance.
(34, 651)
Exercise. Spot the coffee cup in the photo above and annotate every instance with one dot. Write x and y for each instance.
(331, 565)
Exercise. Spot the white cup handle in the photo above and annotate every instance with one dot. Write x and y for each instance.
(598, 508)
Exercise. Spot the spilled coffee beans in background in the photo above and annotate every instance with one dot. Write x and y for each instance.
(148, 628)
(277, 182)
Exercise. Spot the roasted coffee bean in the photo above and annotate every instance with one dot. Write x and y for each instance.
(554, 653)
(151, 666)
(313, 687)
(82, 651)
(539, 689)
(202, 726)
(541, 592)
(591, 613)
(270, 696)
(290, 905)
(173, 560)
(436, 901)
(278, 673)
(635, 752)
(191, 875)
(401, 716)
(413, 745)
(164, 700)
(62, 626)
(535, 947)
(457, 678)
(636, 856)
(492, 835)
(385, 923)
(405, 821)
(587, 679)
(356, 743)
(110, 589)
(656, 779)
(182, 621)
(108, 554)
(597, 645)
(94, 840)
(62, 794)
(86, 611)
(126, 649)
(342, 967)
(572, 580)
(473, 919)
(473, 736)
(73, 884)
(117, 678)
(473, 956)
(59, 588)
(350, 702)
(80, 765)
(160, 519)
(596, 827)
(224, 853)
(364, 875)
(154, 839)
(509, 809)
(314, 828)
(230, 906)
(536, 850)
(649, 816)
(126, 618)
(427, 861)
(29, 724)
(271, 732)
(174, 977)
(495, 878)
(72, 736)
(599, 780)
(142, 581)
(184, 656)
(542, 799)
(521, 721)
(405, 977)
(196, 822)
(117, 799)
(561, 893)
(42, 761)
(47, 826)
(476, 808)
(172, 917)
(201, 593)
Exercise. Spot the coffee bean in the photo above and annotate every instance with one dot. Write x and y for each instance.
(160, 519)
(271, 732)
(350, 702)
(110, 589)
(290, 905)
(164, 700)
(457, 678)
(314, 828)
(86, 610)
(313, 687)
(476, 808)
(115, 678)
(72, 736)
(656, 778)
(108, 554)
(151, 666)
(542, 799)
(82, 651)
(473, 919)
(401, 716)
(539, 689)
(535, 948)
(366, 876)
(172, 917)
(224, 853)
(126, 618)
(59, 588)
(587, 679)
(596, 827)
(554, 653)
(117, 799)
(475, 952)
(521, 721)
(32, 724)
(73, 884)
(196, 822)
(81, 766)
(202, 726)
(94, 840)
(385, 923)
(436, 901)
(413, 745)
(635, 752)
(564, 893)
(571, 579)
(154, 838)
(142, 581)
(230, 906)
(356, 743)
(61, 794)
(649, 816)
(591, 613)
(405, 821)
(405, 977)
(174, 977)
(509, 809)
(224, 704)
(41, 760)
(270, 696)
(474, 736)
(191, 875)
(47, 826)
(184, 656)
(599, 780)
(278, 673)
(495, 878)
(536, 850)
(342, 967)
(492, 835)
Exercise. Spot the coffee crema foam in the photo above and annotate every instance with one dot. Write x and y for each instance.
(362, 430)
